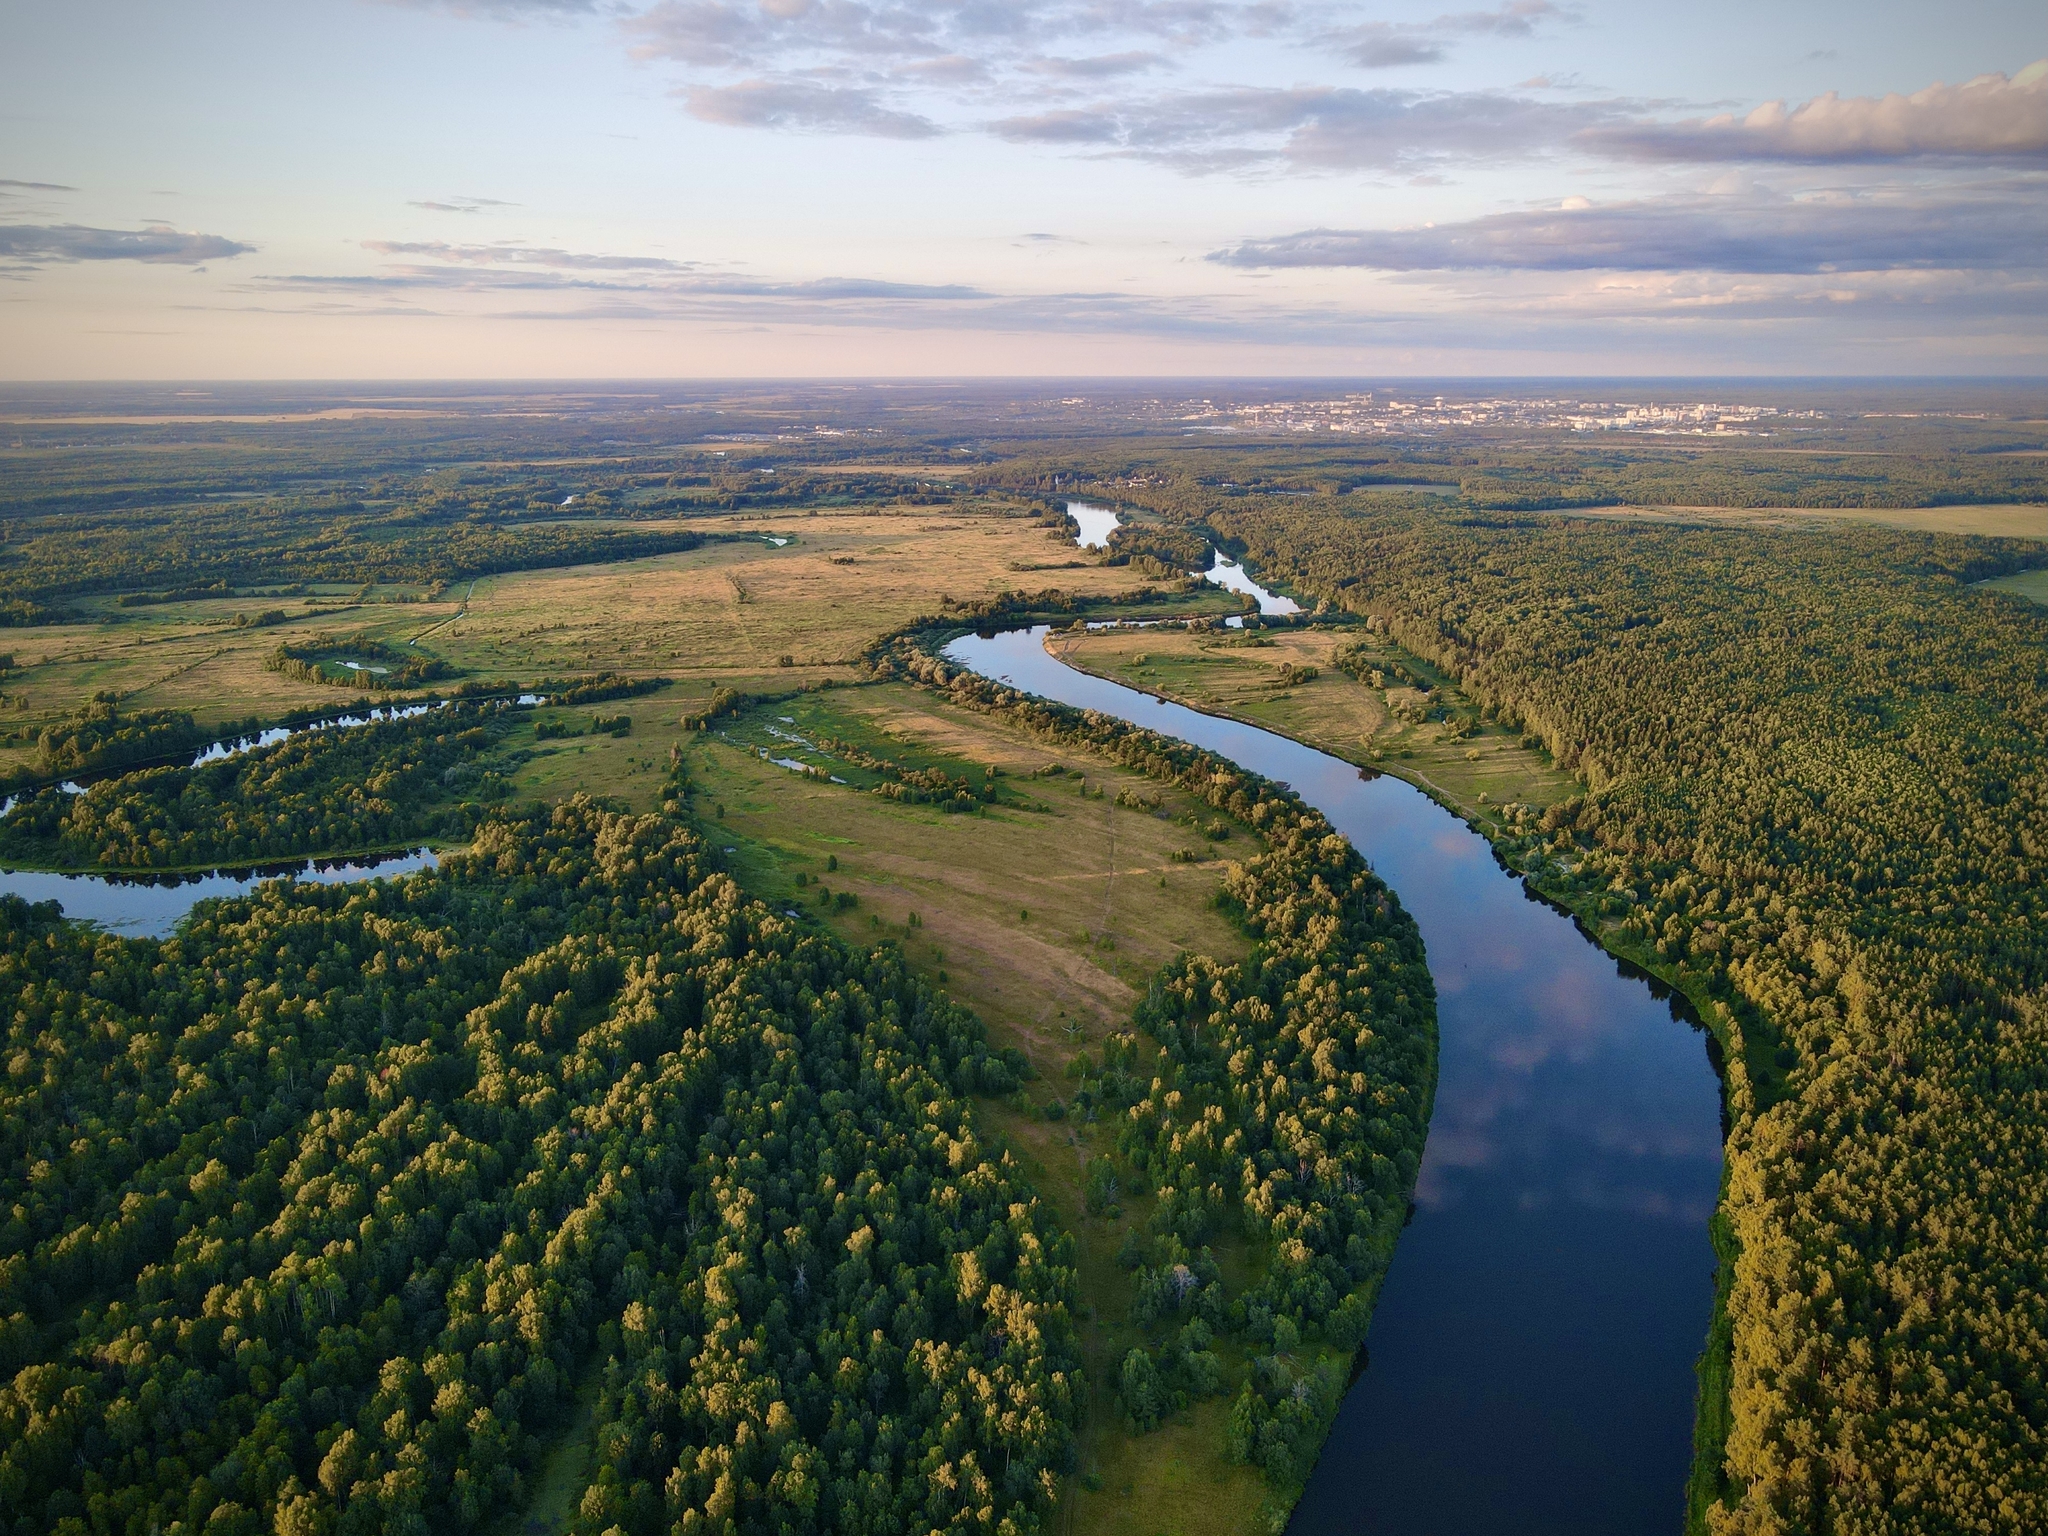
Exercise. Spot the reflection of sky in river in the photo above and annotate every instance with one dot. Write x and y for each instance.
(1237, 579)
(1531, 1365)
(142, 908)
(1096, 524)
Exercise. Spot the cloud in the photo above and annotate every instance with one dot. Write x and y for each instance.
(781, 35)
(805, 106)
(907, 70)
(525, 255)
(33, 186)
(619, 279)
(1313, 127)
(1101, 67)
(1391, 44)
(76, 242)
(461, 205)
(1339, 128)
(2002, 227)
(1990, 117)
(507, 10)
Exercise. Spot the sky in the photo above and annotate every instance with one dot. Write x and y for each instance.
(390, 189)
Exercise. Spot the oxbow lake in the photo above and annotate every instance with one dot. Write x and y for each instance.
(143, 906)
(1231, 575)
(1531, 1358)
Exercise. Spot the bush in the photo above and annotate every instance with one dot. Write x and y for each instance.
(1143, 1394)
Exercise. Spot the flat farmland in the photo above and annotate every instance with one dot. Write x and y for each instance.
(726, 613)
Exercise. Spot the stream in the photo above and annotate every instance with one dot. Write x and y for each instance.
(1531, 1356)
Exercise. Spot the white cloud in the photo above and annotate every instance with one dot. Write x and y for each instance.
(1990, 117)
(805, 106)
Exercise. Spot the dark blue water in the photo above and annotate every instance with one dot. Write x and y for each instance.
(152, 907)
(1531, 1358)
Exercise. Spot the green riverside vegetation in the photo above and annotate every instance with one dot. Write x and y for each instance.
(572, 1185)
(1815, 794)
(323, 1208)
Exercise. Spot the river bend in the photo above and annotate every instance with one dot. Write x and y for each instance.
(1531, 1357)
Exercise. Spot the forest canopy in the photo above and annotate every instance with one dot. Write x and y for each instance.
(1816, 783)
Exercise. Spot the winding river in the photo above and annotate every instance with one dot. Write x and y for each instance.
(1531, 1358)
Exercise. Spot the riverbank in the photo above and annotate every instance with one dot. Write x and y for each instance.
(1520, 869)
(1343, 716)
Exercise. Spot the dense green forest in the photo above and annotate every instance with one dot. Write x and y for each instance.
(44, 562)
(100, 738)
(322, 792)
(1188, 482)
(320, 1211)
(1816, 773)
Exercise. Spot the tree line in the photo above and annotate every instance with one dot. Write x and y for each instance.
(321, 792)
(1284, 1096)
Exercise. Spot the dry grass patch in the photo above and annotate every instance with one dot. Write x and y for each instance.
(1995, 520)
(731, 612)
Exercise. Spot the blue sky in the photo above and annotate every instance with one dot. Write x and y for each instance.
(348, 188)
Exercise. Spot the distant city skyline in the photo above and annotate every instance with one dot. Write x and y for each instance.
(805, 188)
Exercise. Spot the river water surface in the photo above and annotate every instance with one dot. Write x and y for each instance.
(1096, 524)
(142, 906)
(1531, 1358)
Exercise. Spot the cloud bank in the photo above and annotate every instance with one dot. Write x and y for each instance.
(1392, 44)
(1988, 118)
(2001, 227)
(159, 243)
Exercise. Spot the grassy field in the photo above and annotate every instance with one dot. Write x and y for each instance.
(1999, 520)
(1047, 914)
(1259, 676)
(727, 613)
(730, 613)
(2032, 585)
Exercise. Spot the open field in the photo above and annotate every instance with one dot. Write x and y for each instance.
(1436, 741)
(1047, 914)
(2028, 584)
(724, 614)
(730, 612)
(1997, 520)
